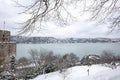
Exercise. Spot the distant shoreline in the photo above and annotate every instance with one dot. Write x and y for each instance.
(71, 43)
(37, 40)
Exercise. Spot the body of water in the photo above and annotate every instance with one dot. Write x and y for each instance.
(80, 49)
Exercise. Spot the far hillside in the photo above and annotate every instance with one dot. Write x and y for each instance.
(23, 39)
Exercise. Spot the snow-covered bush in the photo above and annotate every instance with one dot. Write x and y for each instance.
(90, 59)
(107, 57)
(47, 61)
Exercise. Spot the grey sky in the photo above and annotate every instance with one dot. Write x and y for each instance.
(78, 28)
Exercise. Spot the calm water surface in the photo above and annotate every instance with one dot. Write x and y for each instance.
(79, 49)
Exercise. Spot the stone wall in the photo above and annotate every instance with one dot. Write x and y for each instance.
(7, 48)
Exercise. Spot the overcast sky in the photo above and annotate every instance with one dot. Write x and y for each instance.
(79, 28)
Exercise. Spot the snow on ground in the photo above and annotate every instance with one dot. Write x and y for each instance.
(96, 72)
(26, 66)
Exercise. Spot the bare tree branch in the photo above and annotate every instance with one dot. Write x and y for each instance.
(105, 11)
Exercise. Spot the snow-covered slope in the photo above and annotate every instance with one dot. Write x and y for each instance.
(96, 72)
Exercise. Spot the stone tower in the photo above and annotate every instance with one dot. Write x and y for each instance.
(7, 48)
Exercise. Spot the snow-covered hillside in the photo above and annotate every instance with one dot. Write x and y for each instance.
(96, 72)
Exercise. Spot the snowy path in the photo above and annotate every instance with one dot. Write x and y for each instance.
(96, 72)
